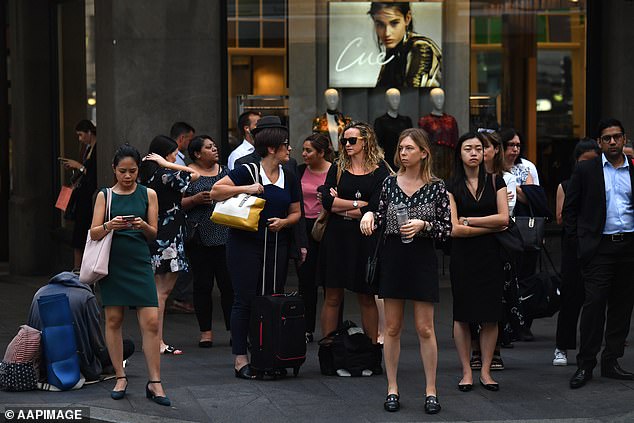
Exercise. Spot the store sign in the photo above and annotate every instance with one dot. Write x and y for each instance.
(382, 50)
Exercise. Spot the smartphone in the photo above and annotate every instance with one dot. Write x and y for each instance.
(128, 218)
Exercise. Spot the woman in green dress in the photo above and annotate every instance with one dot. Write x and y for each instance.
(130, 281)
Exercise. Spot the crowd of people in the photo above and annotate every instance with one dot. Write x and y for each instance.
(160, 214)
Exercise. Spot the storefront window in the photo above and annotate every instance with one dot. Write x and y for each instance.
(528, 72)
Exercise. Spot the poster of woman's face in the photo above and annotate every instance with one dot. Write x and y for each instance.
(385, 44)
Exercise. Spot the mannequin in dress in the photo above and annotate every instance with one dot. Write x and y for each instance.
(332, 122)
(443, 134)
(389, 126)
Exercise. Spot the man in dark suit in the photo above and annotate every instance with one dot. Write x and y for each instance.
(599, 215)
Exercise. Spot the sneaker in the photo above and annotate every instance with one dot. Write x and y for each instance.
(497, 363)
(475, 362)
(561, 358)
(309, 337)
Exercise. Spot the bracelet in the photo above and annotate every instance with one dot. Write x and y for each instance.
(346, 213)
(105, 227)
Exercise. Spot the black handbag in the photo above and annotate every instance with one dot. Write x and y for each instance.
(539, 294)
(532, 229)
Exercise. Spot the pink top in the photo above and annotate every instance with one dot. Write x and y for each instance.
(310, 182)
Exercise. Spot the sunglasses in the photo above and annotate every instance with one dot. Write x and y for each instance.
(350, 140)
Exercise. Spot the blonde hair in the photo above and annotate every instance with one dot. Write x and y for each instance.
(371, 149)
(421, 139)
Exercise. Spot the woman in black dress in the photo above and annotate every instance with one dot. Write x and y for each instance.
(352, 188)
(84, 181)
(170, 180)
(478, 210)
(429, 218)
(206, 249)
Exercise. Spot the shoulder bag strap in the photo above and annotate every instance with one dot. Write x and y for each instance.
(108, 203)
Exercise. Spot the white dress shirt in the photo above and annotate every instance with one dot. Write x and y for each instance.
(242, 150)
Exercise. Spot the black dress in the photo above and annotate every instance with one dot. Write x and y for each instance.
(410, 271)
(477, 269)
(168, 249)
(344, 250)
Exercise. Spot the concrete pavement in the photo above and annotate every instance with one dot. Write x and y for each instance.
(202, 386)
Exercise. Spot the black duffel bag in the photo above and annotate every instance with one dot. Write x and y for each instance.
(539, 294)
(348, 348)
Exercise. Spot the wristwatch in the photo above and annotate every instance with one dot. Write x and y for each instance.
(355, 204)
(465, 221)
(82, 169)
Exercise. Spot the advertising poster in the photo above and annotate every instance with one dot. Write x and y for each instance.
(374, 45)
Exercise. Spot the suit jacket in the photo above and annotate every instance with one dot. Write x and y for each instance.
(584, 210)
(299, 239)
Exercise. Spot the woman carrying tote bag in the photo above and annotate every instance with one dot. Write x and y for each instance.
(130, 280)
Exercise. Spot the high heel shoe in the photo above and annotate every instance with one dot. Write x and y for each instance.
(151, 395)
(117, 395)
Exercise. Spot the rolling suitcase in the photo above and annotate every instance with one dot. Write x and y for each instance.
(277, 328)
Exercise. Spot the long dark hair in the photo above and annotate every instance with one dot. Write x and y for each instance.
(402, 7)
(458, 185)
(322, 144)
(161, 145)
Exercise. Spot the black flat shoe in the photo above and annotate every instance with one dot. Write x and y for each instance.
(490, 386)
(391, 403)
(205, 344)
(580, 378)
(465, 387)
(153, 397)
(432, 406)
(245, 372)
(117, 395)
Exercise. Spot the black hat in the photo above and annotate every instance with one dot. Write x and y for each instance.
(268, 122)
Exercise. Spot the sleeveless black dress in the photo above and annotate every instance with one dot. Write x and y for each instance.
(477, 269)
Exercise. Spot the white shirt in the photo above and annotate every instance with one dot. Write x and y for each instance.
(532, 169)
(511, 186)
(266, 181)
(242, 150)
(180, 158)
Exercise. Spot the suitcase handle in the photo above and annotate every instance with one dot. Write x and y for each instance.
(266, 232)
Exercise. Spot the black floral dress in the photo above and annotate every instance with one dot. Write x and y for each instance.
(168, 249)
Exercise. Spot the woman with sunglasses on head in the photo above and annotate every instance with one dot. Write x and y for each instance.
(160, 172)
(245, 250)
(352, 188)
(206, 248)
(429, 218)
(318, 155)
(479, 208)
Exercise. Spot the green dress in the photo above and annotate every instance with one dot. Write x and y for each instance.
(130, 280)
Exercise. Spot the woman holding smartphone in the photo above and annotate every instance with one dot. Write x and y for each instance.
(130, 282)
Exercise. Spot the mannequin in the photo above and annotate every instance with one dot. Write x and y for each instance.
(443, 134)
(389, 126)
(332, 122)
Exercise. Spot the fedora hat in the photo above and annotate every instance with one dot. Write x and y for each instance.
(266, 122)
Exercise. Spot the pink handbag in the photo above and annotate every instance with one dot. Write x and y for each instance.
(94, 263)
